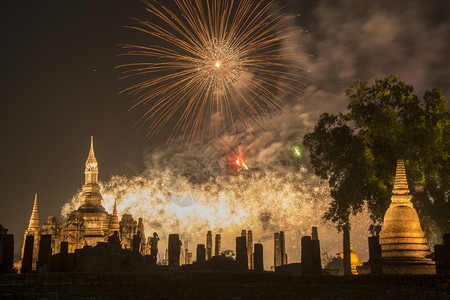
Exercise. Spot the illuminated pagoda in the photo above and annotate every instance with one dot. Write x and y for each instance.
(86, 226)
(403, 244)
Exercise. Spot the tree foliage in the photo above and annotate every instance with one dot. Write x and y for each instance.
(357, 151)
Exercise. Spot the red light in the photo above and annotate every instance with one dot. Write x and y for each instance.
(238, 162)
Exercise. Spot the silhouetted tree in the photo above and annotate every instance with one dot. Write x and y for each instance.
(357, 152)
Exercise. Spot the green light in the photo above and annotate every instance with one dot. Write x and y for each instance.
(297, 151)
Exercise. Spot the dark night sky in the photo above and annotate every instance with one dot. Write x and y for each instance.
(58, 83)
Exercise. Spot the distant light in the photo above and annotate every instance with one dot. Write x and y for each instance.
(297, 151)
(217, 64)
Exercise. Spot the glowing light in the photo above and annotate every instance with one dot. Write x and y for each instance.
(249, 41)
(264, 202)
(240, 163)
(297, 151)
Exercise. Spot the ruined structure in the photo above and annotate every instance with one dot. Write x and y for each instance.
(6, 251)
(280, 256)
(33, 230)
(403, 244)
(89, 225)
(310, 254)
(218, 245)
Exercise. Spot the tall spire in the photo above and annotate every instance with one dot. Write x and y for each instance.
(114, 223)
(91, 199)
(91, 162)
(400, 193)
(401, 183)
(34, 219)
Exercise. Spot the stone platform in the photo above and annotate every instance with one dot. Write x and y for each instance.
(215, 285)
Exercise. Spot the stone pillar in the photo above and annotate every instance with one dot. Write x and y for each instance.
(249, 249)
(166, 256)
(314, 234)
(201, 255)
(258, 258)
(189, 262)
(45, 253)
(283, 249)
(186, 254)
(439, 256)
(136, 243)
(217, 249)
(307, 257)
(241, 252)
(446, 239)
(376, 266)
(347, 258)
(174, 250)
(27, 259)
(7, 259)
(277, 260)
(442, 256)
(316, 262)
(208, 245)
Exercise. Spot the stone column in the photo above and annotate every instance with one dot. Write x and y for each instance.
(442, 256)
(217, 249)
(277, 260)
(307, 257)
(27, 259)
(189, 258)
(316, 262)
(258, 258)
(347, 259)
(7, 264)
(174, 250)
(283, 249)
(375, 263)
(208, 245)
(249, 249)
(241, 252)
(45, 253)
(201, 255)
(136, 243)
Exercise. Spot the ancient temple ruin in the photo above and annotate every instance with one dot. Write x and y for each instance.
(403, 243)
(89, 224)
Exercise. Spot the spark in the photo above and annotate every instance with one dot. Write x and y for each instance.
(239, 163)
(264, 202)
(226, 58)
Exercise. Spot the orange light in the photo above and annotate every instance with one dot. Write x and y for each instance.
(238, 162)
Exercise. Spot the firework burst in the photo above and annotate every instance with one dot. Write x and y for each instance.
(212, 62)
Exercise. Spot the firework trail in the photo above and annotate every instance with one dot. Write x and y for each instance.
(212, 62)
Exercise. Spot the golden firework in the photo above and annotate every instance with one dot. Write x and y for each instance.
(212, 62)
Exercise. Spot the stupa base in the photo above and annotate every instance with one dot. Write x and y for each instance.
(409, 267)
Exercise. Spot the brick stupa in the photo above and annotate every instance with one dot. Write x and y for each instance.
(403, 243)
